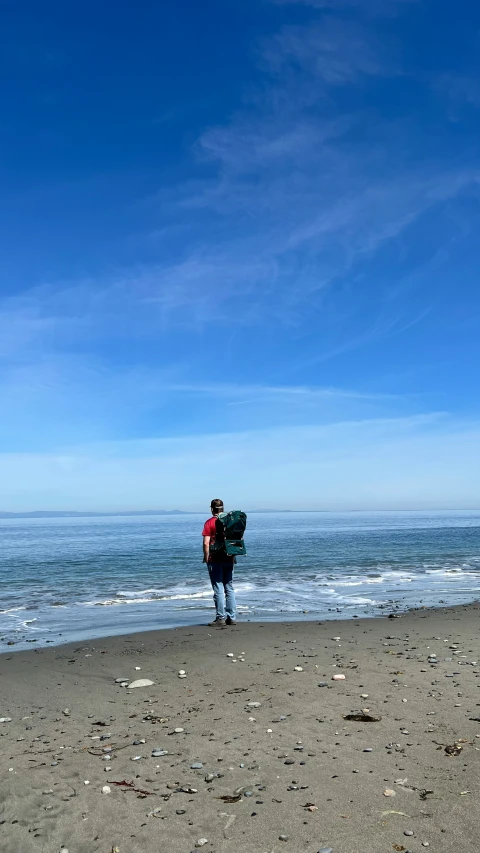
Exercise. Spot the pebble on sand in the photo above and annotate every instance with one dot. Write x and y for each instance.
(142, 682)
(338, 677)
(201, 842)
(298, 668)
(5, 719)
(106, 789)
(178, 731)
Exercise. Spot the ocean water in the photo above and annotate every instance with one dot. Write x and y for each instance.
(76, 579)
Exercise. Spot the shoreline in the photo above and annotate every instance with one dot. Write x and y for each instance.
(290, 764)
(383, 611)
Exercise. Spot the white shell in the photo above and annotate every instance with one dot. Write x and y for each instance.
(142, 682)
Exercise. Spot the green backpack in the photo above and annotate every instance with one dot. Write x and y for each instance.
(230, 528)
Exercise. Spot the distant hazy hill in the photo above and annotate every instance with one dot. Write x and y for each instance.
(67, 514)
(72, 514)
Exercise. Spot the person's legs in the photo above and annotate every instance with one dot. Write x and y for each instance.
(230, 607)
(216, 577)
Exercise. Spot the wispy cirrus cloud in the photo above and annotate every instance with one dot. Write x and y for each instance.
(301, 189)
(332, 51)
(369, 7)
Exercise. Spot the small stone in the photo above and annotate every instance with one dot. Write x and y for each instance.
(388, 792)
(138, 668)
(197, 766)
(157, 753)
(106, 789)
(64, 850)
(283, 837)
(230, 655)
(326, 850)
(142, 682)
(323, 684)
(289, 761)
(409, 832)
(298, 668)
(201, 842)
(338, 677)
(364, 695)
(136, 758)
(121, 680)
(369, 749)
(178, 731)
(67, 712)
(5, 719)
(86, 782)
(425, 844)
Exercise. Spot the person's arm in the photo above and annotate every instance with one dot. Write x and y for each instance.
(206, 548)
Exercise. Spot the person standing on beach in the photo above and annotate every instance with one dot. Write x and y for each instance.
(220, 569)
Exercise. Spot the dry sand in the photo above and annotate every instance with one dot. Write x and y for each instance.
(311, 776)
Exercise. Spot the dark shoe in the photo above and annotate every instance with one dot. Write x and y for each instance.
(229, 621)
(217, 623)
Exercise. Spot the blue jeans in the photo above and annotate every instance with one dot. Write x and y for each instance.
(221, 577)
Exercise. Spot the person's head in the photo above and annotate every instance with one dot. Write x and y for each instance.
(216, 506)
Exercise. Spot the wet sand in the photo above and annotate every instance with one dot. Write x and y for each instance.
(300, 777)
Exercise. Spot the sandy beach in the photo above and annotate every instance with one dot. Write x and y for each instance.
(254, 751)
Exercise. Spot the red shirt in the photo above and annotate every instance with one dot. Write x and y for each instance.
(210, 529)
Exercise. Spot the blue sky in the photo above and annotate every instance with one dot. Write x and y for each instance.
(240, 254)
